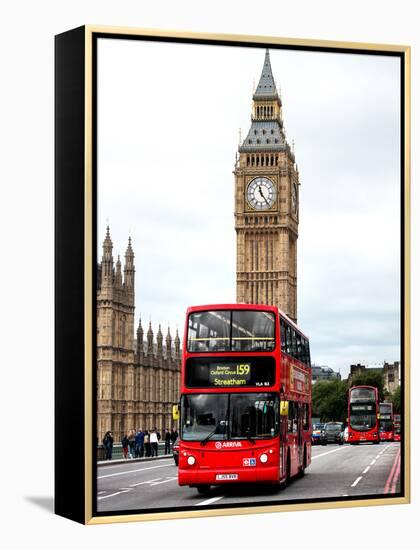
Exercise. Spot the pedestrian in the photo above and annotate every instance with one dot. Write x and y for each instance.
(131, 442)
(124, 444)
(167, 442)
(174, 436)
(139, 444)
(147, 447)
(108, 442)
(154, 442)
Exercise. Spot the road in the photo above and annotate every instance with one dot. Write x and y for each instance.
(335, 471)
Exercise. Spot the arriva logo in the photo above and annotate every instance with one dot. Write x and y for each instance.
(227, 444)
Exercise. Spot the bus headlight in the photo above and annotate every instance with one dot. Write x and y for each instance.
(263, 458)
(191, 460)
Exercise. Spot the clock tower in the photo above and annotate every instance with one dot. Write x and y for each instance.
(266, 205)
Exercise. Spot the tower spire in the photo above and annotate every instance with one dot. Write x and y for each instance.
(159, 340)
(266, 88)
(150, 339)
(266, 133)
(118, 276)
(107, 259)
(140, 346)
(129, 270)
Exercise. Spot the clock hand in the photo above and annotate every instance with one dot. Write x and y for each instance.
(262, 194)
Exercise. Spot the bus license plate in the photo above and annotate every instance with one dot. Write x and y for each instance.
(222, 477)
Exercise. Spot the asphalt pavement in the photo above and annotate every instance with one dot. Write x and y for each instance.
(335, 471)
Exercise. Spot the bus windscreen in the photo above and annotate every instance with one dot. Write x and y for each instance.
(238, 331)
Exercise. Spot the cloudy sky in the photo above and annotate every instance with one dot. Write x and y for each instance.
(169, 121)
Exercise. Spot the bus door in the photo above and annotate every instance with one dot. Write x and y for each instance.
(283, 437)
(300, 434)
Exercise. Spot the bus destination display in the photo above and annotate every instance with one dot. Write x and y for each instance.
(225, 373)
(230, 374)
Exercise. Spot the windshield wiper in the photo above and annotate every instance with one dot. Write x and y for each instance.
(204, 441)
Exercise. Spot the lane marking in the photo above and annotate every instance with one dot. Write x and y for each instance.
(373, 462)
(357, 481)
(365, 471)
(208, 501)
(132, 471)
(164, 481)
(392, 473)
(329, 452)
(108, 496)
(145, 482)
(396, 475)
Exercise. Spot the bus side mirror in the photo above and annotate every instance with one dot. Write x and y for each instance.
(284, 408)
(175, 412)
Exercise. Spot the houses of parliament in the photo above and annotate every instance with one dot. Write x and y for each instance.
(138, 379)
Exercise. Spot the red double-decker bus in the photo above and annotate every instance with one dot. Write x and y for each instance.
(363, 411)
(397, 427)
(245, 408)
(386, 422)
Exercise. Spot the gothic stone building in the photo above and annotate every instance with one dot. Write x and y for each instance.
(137, 379)
(267, 205)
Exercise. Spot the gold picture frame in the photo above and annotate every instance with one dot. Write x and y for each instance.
(76, 262)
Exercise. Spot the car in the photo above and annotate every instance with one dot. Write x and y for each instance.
(175, 451)
(332, 433)
(317, 433)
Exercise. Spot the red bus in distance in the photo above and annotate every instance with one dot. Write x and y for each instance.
(363, 412)
(245, 408)
(397, 427)
(386, 422)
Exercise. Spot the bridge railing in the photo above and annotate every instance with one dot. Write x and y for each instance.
(117, 451)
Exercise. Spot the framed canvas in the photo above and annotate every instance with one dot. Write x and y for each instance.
(268, 179)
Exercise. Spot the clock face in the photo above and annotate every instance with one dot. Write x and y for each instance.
(261, 193)
(294, 197)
